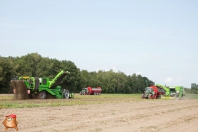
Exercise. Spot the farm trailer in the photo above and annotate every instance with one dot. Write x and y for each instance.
(40, 88)
(91, 91)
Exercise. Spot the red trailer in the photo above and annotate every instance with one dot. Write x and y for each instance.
(95, 91)
(91, 91)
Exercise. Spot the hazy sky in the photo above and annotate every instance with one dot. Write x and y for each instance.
(155, 38)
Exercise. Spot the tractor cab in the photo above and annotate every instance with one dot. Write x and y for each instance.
(84, 91)
(148, 91)
(172, 91)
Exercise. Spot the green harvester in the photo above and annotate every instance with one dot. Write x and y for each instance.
(173, 91)
(40, 88)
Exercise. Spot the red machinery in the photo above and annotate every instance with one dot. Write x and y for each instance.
(157, 92)
(91, 91)
(94, 91)
(153, 92)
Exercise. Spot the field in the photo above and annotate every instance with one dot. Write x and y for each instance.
(102, 113)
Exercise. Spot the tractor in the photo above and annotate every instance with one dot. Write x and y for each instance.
(40, 88)
(84, 91)
(152, 92)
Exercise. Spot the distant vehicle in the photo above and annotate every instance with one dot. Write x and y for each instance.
(177, 91)
(91, 91)
(153, 92)
(173, 91)
(40, 88)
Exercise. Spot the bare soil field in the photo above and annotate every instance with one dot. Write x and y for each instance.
(129, 115)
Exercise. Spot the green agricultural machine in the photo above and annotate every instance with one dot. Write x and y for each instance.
(167, 90)
(40, 88)
(173, 91)
(177, 91)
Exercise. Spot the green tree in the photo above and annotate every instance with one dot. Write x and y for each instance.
(71, 81)
(27, 65)
(35, 65)
(6, 73)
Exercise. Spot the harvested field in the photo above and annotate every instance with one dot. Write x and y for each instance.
(104, 113)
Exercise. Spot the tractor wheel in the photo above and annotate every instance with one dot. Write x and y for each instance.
(66, 94)
(149, 97)
(42, 95)
(142, 96)
(33, 96)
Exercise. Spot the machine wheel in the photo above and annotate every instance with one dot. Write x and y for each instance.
(33, 96)
(149, 97)
(159, 97)
(142, 96)
(42, 95)
(66, 94)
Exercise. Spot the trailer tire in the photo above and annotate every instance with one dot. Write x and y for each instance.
(42, 95)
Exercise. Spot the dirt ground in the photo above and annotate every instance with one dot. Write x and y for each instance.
(140, 116)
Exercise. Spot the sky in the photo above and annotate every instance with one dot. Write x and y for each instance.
(157, 39)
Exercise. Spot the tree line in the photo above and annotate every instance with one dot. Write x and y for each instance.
(194, 88)
(35, 65)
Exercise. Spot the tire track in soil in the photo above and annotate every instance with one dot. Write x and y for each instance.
(122, 118)
(157, 122)
(144, 116)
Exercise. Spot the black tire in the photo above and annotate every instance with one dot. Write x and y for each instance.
(159, 97)
(42, 95)
(33, 96)
(66, 94)
(149, 97)
(142, 96)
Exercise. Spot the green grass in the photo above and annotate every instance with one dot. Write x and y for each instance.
(7, 101)
(110, 96)
(191, 96)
